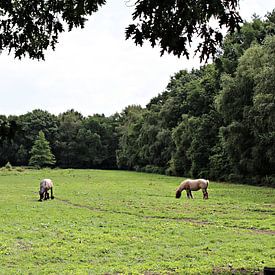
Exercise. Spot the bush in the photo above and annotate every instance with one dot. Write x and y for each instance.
(138, 168)
(154, 169)
(235, 178)
(8, 166)
(20, 169)
(170, 172)
(268, 181)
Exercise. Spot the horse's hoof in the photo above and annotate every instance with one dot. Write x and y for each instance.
(52, 197)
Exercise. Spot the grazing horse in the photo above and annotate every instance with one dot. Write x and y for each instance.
(193, 185)
(45, 186)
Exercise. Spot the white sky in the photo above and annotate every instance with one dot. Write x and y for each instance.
(95, 70)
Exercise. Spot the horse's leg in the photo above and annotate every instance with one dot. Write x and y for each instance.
(52, 197)
(46, 195)
(41, 197)
(189, 194)
(205, 194)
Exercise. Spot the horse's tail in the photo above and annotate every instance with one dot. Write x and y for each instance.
(207, 182)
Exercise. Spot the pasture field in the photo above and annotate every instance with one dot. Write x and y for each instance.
(119, 222)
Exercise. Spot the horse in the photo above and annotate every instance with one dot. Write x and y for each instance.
(193, 185)
(45, 186)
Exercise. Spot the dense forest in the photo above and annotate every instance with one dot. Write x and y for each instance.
(216, 122)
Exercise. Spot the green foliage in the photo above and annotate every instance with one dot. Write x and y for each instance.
(128, 150)
(8, 127)
(65, 144)
(136, 227)
(29, 126)
(86, 142)
(236, 43)
(173, 24)
(22, 155)
(247, 105)
(8, 147)
(102, 140)
(41, 154)
(30, 27)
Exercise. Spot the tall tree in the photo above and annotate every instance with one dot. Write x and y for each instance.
(96, 142)
(41, 154)
(32, 122)
(246, 103)
(65, 143)
(235, 44)
(9, 129)
(128, 148)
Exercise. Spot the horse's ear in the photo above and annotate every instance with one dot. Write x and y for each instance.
(178, 194)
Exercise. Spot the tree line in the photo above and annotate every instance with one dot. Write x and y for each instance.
(216, 122)
(75, 141)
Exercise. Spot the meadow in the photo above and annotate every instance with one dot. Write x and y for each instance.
(119, 222)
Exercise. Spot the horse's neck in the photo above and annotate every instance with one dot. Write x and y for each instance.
(182, 186)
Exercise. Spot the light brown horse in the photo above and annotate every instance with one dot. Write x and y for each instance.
(193, 185)
(45, 186)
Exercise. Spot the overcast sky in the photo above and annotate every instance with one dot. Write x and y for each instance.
(94, 70)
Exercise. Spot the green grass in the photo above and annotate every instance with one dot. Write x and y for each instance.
(113, 222)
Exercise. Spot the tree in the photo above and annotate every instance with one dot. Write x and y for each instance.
(32, 122)
(154, 142)
(30, 27)
(104, 141)
(96, 143)
(236, 43)
(8, 128)
(22, 155)
(246, 104)
(41, 154)
(65, 144)
(173, 24)
(8, 132)
(128, 148)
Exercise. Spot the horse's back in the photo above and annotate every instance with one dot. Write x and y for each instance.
(198, 184)
(46, 183)
(203, 183)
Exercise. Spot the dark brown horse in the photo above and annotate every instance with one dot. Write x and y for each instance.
(193, 185)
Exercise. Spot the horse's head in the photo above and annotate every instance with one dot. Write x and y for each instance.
(42, 192)
(178, 194)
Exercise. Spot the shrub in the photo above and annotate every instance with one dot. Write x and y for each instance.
(269, 180)
(8, 166)
(20, 169)
(154, 169)
(170, 172)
